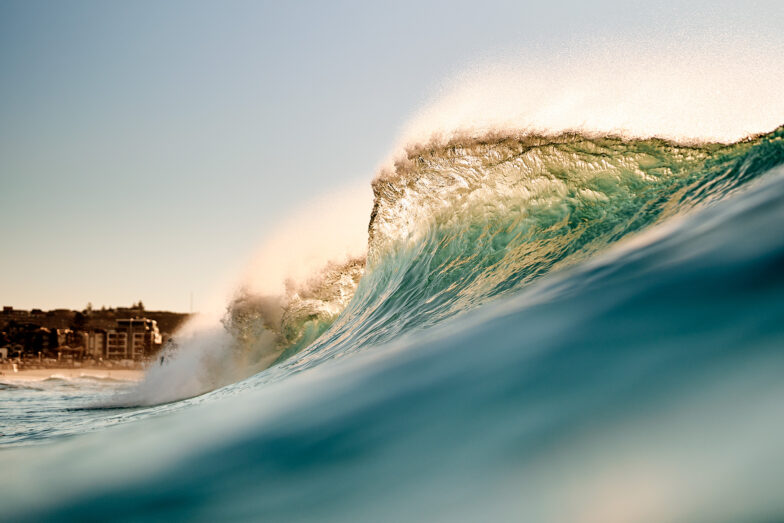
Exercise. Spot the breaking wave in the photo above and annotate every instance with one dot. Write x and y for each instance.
(512, 172)
(457, 222)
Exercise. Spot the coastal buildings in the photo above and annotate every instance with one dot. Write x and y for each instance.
(96, 344)
(133, 339)
(116, 345)
(130, 334)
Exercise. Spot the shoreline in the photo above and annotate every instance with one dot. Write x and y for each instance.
(71, 373)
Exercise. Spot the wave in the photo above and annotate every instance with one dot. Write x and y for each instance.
(16, 385)
(513, 171)
(455, 223)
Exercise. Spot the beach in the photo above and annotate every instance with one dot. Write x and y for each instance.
(71, 373)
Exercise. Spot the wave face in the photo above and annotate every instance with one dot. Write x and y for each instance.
(459, 223)
(565, 327)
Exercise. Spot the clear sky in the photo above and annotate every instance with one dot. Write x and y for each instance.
(147, 147)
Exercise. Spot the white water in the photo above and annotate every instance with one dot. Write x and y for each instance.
(686, 93)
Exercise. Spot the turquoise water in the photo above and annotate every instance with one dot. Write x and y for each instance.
(562, 328)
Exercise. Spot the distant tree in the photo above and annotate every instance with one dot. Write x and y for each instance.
(140, 305)
(79, 322)
(89, 308)
(37, 340)
(53, 341)
(12, 328)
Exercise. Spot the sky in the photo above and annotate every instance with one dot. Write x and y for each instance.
(148, 148)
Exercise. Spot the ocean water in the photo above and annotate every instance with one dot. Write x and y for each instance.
(546, 327)
(34, 411)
